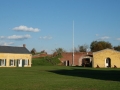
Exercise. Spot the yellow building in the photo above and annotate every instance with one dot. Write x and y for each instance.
(15, 56)
(106, 58)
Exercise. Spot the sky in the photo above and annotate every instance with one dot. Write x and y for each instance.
(49, 24)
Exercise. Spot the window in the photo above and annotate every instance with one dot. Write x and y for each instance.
(2, 62)
(11, 62)
(26, 62)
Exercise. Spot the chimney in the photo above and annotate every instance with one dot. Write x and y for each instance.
(24, 45)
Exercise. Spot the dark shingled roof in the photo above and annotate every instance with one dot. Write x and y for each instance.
(11, 49)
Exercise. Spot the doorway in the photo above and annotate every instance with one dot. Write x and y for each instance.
(108, 62)
(66, 63)
(86, 62)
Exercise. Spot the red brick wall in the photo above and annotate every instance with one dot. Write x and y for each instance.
(68, 56)
(77, 57)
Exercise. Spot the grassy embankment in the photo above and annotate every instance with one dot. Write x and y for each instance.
(46, 61)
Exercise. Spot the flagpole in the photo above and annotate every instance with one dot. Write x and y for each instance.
(73, 45)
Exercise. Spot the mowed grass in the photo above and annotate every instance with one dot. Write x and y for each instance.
(59, 78)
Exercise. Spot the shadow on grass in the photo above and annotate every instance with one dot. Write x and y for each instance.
(101, 74)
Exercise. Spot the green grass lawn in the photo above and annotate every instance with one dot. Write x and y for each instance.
(59, 78)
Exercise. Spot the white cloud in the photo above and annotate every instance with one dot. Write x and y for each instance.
(46, 37)
(6, 43)
(18, 37)
(118, 39)
(96, 34)
(25, 28)
(2, 37)
(105, 37)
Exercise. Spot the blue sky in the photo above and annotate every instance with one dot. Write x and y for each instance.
(48, 24)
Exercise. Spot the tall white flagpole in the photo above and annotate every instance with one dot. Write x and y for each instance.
(73, 45)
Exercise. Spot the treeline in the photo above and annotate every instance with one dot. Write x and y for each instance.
(94, 46)
(100, 45)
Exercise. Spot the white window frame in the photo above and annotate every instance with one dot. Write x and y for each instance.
(26, 62)
(3, 62)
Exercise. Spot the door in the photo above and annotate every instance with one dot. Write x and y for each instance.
(20, 63)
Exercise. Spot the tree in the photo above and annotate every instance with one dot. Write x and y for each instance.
(43, 51)
(75, 50)
(99, 45)
(82, 48)
(117, 48)
(59, 50)
(33, 51)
